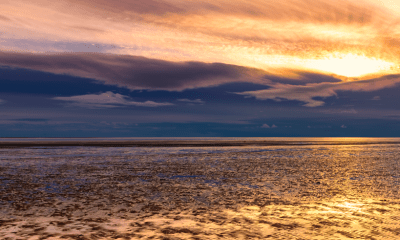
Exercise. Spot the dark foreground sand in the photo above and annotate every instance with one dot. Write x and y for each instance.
(330, 192)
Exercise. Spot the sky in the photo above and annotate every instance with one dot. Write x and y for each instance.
(183, 68)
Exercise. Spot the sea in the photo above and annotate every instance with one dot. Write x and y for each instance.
(200, 188)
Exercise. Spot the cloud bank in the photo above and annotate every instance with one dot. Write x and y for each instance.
(138, 73)
(134, 72)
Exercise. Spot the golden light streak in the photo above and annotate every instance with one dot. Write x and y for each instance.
(349, 65)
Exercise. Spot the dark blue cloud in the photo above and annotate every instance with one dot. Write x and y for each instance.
(25, 81)
(134, 72)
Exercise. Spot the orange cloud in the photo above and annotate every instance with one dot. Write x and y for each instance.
(269, 35)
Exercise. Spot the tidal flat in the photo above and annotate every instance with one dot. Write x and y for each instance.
(315, 191)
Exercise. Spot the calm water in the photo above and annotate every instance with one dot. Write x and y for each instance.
(277, 192)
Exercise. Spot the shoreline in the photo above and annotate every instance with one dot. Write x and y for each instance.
(181, 143)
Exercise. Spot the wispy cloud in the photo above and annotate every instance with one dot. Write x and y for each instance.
(2, 18)
(107, 100)
(376, 98)
(267, 126)
(195, 101)
(307, 93)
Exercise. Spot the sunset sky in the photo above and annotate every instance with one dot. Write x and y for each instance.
(176, 68)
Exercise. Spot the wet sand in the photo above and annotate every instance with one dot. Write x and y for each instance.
(289, 192)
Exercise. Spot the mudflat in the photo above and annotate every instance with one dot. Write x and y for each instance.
(258, 192)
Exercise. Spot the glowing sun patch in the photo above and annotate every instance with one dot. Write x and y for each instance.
(349, 65)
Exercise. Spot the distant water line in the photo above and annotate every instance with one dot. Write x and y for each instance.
(187, 142)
